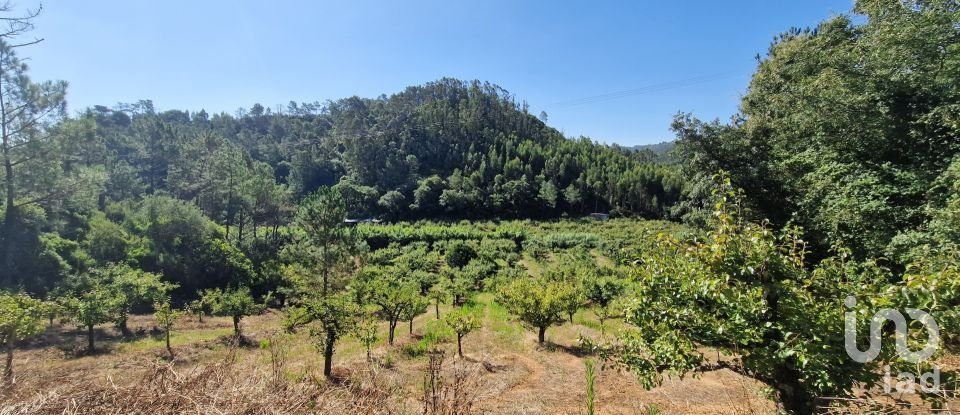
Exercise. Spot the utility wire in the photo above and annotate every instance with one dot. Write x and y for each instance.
(642, 90)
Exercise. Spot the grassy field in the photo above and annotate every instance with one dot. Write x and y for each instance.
(509, 372)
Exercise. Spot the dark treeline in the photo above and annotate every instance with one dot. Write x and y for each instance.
(448, 148)
(174, 190)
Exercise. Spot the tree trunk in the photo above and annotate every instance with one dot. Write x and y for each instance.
(240, 226)
(437, 308)
(459, 345)
(236, 326)
(10, 214)
(9, 231)
(328, 354)
(90, 346)
(169, 349)
(794, 398)
(393, 326)
(411, 327)
(542, 334)
(8, 369)
(124, 330)
(571, 317)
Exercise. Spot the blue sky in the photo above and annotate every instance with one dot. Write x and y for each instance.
(571, 59)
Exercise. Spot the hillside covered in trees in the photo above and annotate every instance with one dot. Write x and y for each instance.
(447, 149)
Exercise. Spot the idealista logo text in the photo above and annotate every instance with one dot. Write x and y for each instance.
(929, 382)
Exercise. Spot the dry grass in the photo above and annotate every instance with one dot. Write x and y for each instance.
(224, 387)
(505, 372)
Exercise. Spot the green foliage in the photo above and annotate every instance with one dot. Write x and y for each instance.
(96, 304)
(325, 244)
(845, 126)
(107, 241)
(537, 302)
(183, 245)
(21, 318)
(232, 302)
(438, 294)
(744, 289)
(601, 291)
(122, 288)
(32, 173)
(198, 307)
(223, 264)
(367, 332)
(460, 254)
(462, 321)
(334, 316)
(394, 295)
(166, 318)
(416, 307)
(434, 333)
(382, 235)
(566, 240)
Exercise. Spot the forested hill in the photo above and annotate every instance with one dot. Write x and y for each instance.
(447, 148)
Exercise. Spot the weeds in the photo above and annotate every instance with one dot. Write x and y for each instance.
(453, 394)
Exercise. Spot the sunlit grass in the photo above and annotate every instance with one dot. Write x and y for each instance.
(177, 338)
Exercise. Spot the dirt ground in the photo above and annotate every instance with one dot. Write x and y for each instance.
(513, 374)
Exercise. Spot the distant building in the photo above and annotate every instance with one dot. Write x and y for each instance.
(600, 216)
(352, 222)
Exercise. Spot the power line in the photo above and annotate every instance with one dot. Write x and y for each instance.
(642, 90)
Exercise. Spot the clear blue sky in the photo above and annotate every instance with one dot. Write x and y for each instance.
(221, 55)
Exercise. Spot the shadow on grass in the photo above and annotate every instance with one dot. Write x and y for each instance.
(571, 350)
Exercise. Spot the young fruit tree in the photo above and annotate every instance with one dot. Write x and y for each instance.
(367, 332)
(416, 307)
(166, 318)
(602, 292)
(537, 302)
(91, 307)
(391, 293)
(460, 254)
(131, 287)
(438, 294)
(235, 303)
(21, 317)
(198, 308)
(330, 318)
(462, 321)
